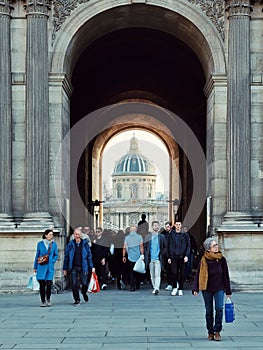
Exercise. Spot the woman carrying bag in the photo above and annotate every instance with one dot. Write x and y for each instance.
(212, 278)
(46, 256)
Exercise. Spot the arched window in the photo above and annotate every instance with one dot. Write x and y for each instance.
(134, 190)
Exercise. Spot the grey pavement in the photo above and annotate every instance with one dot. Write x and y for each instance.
(119, 319)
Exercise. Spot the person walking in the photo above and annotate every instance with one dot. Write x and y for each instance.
(45, 272)
(191, 257)
(212, 278)
(78, 261)
(133, 246)
(155, 255)
(178, 251)
(100, 254)
(167, 267)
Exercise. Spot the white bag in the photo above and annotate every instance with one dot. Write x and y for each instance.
(35, 283)
(140, 265)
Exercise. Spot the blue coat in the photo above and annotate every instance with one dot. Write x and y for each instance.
(87, 263)
(46, 272)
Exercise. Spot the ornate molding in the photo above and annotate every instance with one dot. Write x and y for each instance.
(239, 7)
(5, 7)
(39, 7)
(214, 9)
(63, 9)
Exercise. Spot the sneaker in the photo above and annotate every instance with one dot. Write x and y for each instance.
(156, 291)
(169, 287)
(122, 284)
(76, 303)
(48, 303)
(180, 292)
(217, 336)
(174, 292)
(104, 286)
(210, 336)
(153, 292)
(85, 297)
(43, 304)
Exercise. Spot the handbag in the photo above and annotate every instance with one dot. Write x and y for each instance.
(140, 265)
(44, 259)
(94, 286)
(229, 311)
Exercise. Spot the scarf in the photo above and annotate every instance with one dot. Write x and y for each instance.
(203, 273)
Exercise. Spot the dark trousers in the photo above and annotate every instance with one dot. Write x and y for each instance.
(100, 270)
(77, 277)
(177, 271)
(45, 289)
(134, 276)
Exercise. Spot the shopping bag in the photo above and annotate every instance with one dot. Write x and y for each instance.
(33, 283)
(140, 265)
(94, 286)
(229, 311)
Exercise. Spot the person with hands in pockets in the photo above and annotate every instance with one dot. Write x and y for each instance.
(45, 273)
(212, 278)
(78, 261)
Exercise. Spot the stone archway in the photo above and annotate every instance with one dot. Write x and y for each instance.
(184, 21)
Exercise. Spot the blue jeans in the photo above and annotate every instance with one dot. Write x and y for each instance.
(212, 326)
(78, 276)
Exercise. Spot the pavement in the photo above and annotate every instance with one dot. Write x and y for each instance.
(120, 319)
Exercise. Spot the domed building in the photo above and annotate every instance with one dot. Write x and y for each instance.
(133, 191)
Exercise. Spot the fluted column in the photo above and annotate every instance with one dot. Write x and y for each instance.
(37, 170)
(239, 105)
(5, 116)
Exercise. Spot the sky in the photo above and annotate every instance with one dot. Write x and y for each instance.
(149, 145)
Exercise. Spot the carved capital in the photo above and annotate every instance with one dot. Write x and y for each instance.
(214, 9)
(239, 7)
(5, 7)
(39, 7)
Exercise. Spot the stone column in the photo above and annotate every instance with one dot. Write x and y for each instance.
(239, 108)
(5, 117)
(37, 166)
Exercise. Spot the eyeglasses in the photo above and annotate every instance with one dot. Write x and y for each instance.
(214, 245)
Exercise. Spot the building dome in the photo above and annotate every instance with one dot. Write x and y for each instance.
(134, 162)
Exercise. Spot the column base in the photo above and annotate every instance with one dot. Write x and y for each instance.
(7, 222)
(36, 221)
(241, 221)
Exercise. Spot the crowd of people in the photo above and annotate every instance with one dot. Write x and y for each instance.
(168, 254)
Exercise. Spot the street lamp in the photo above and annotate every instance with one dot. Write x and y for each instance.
(96, 206)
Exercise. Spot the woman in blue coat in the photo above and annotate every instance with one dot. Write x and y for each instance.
(45, 273)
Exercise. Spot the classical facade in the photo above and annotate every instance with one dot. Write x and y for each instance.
(133, 192)
(75, 73)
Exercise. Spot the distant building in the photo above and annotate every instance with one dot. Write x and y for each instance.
(134, 191)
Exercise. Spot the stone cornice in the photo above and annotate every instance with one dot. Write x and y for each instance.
(37, 7)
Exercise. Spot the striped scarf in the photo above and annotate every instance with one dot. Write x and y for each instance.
(203, 274)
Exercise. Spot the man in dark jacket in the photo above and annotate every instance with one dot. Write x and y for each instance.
(78, 260)
(154, 255)
(178, 251)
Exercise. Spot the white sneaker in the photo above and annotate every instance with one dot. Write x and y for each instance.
(174, 292)
(104, 286)
(153, 292)
(169, 287)
(180, 292)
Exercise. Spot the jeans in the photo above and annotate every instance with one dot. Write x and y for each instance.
(155, 272)
(211, 325)
(78, 275)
